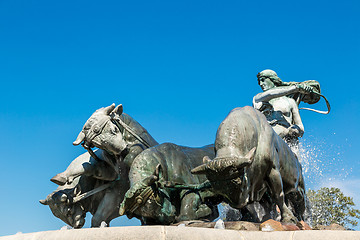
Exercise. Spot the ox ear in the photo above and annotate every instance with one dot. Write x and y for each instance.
(154, 177)
(247, 160)
(150, 180)
(251, 154)
(199, 169)
(118, 110)
(109, 109)
(157, 171)
(43, 202)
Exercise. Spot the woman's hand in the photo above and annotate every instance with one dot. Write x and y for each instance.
(304, 88)
(295, 131)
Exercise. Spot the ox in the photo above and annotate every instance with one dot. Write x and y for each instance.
(93, 170)
(252, 159)
(63, 203)
(71, 200)
(161, 186)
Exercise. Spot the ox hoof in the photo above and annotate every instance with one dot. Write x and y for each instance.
(203, 211)
(59, 180)
(292, 220)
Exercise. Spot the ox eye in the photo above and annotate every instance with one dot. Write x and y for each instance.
(114, 130)
(96, 129)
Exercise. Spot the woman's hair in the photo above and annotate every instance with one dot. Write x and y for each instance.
(273, 77)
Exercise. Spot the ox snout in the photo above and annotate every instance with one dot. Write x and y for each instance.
(79, 221)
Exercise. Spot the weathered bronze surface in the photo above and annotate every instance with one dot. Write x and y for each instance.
(171, 199)
(253, 165)
(252, 159)
(279, 102)
(118, 148)
(110, 163)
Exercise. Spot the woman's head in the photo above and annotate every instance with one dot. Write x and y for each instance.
(268, 79)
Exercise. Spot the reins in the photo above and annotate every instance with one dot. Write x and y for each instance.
(92, 192)
(118, 122)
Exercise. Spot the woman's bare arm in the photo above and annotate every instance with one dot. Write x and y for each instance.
(275, 93)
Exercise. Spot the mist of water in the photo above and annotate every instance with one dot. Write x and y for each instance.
(321, 162)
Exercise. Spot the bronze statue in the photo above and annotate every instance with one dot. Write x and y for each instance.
(254, 162)
(252, 159)
(120, 140)
(164, 195)
(103, 167)
(71, 202)
(279, 103)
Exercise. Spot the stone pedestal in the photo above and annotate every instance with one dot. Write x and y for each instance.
(175, 233)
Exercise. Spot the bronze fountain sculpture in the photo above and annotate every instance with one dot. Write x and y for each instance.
(254, 160)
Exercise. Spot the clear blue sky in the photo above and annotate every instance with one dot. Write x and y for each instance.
(178, 67)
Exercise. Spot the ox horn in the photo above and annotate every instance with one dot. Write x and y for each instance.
(221, 164)
(122, 208)
(202, 168)
(43, 202)
(199, 169)
(109, 109)
(79, 138)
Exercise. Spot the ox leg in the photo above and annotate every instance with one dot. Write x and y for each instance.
(256, 212)
(276, 187)
(298, 202)
(107, 210)
(85, 165)
(302, 201)
(192, 208)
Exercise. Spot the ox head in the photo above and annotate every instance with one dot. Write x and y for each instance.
(145, 199)
(228, 177)
(60, 203)
(101, 132)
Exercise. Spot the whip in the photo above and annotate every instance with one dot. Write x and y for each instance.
(318, 111)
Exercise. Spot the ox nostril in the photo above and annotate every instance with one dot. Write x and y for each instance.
(63, 197)
(70, 211)
(79, 223)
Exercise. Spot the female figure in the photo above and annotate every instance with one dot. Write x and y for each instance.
(280, 109)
